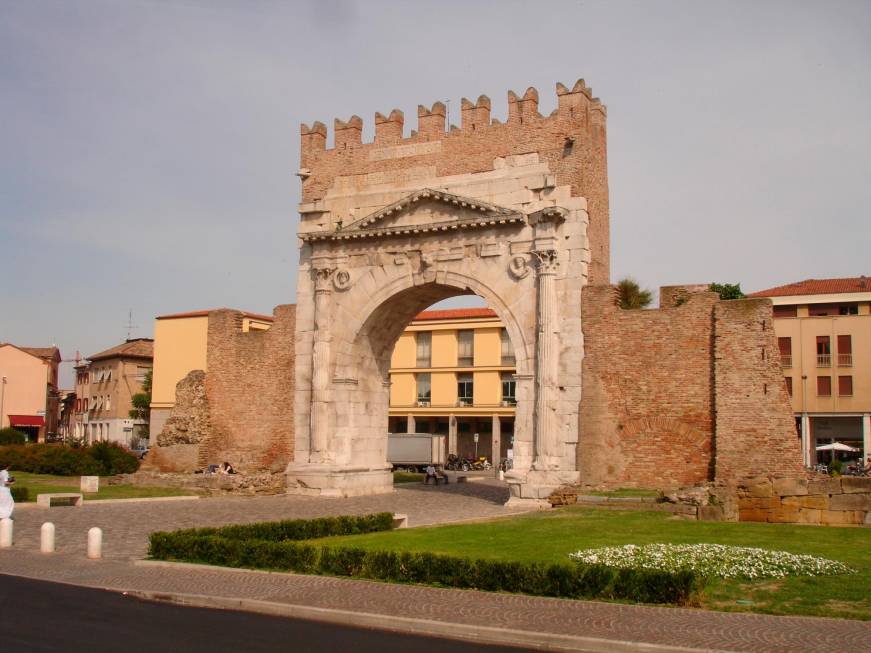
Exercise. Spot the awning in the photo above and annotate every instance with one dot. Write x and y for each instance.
(27, 420)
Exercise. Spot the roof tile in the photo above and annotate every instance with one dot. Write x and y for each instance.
(818, 287)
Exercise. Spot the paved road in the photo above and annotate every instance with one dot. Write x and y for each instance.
(36, 616)
(503, 618)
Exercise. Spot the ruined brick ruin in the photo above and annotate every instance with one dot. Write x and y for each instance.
(516, 212)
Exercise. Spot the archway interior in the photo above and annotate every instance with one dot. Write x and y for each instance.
(451, 377)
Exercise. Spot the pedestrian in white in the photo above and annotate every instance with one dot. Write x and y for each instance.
(7, 503)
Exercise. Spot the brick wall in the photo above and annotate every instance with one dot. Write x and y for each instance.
(682, 395)
(572, 140)
(755, 424)
(647, 407)
(250, 384)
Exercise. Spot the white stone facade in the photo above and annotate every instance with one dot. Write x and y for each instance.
(376, 251)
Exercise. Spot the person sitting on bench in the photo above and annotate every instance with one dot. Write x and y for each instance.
(430, 474)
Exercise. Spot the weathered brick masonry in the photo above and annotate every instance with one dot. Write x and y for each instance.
(250, 384)
(572, 140)
(682, 395)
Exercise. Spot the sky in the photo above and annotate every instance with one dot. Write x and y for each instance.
(148, 147)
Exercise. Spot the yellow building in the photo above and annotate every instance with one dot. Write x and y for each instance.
(180, 347)
(452, 373)
(824, 333)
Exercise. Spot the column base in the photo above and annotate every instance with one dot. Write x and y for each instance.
(311, 479)
(532, 488)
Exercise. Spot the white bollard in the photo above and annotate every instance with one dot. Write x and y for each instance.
(501, 475)
(46, 538)
(5, 533)
(95, 543)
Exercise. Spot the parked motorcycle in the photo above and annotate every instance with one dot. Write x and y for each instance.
(481, 463)
(457, 464)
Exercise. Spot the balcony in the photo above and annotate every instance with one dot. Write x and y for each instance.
(824, 360)
(786, 360)
(845, 360)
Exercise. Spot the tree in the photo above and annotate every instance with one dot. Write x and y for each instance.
(10, 435)
(727, 290)
(141, 410)
(631, 294)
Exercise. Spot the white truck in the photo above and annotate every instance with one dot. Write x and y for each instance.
(413, 451)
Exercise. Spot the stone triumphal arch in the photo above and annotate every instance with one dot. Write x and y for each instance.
(390, 227)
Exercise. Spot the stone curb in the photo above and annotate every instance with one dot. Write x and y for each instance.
(89, 502)
(425, 627)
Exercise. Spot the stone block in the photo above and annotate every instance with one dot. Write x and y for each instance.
(784, 515)
(809, 516)
(89, 484)
(763, 489)
(752, 514)
(818, 502)
(854, 484)
(759, 503)
(850, 502)
(711, 513)
(824, 486)
(841, 517)
(786, 487)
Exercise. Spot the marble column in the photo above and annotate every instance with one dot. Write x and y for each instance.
(452, 434)
(546, 443)
(319, 449)
(411, 424)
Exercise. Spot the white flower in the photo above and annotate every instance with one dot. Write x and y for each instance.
(712, 560)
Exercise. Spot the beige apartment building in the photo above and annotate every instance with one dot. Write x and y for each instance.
(823, 328)
(180, 346)
(452, 373)
(28, 389)
(105, 385)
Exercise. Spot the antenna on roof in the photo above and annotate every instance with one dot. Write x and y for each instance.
(130, 325)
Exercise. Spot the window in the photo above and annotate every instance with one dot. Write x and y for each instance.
(507, 349)
(509, 389)
(141, 373)
(464, 389)
(108, 402)
(85, 405)
(845, 351)
(824, 386)
(818, 310)
(465, 348)
(788, 380)
(424, 387)
(848, 309)
(824, 351)
(786, 311)
(845, 386)
(108, 375)
(424, 348)
(785, 346)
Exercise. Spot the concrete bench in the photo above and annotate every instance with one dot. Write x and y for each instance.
(44, 500)
(400, 520)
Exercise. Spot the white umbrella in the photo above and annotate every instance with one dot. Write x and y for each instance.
(836, 446)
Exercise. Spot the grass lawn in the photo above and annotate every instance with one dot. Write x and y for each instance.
(551, 536)
(407, 477)
(44, 483)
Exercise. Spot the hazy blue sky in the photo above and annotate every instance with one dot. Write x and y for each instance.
(147, 147)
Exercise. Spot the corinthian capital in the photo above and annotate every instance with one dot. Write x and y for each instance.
(546, 260)
(323, 279)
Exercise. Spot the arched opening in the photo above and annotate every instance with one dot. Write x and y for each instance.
(454, 388)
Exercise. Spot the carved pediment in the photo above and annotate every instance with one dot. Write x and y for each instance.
(423, 211)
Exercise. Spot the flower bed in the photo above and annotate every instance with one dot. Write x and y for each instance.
(712, 560)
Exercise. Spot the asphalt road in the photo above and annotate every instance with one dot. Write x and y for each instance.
(40, 616)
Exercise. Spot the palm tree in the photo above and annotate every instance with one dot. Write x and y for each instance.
(631, 294)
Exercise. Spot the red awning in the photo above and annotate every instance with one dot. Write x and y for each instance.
(26, 420)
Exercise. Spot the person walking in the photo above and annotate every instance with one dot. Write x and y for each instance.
(7, 503)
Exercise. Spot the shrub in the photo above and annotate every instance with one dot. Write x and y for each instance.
(10, 435)
(114, 458)
(100, 460)
(20, 493)
(281, 546)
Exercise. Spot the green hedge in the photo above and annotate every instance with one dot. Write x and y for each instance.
(103, 459)
(280, 546)
(19, 494)
(10, 435)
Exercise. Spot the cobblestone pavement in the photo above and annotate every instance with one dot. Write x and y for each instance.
(127, 526)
